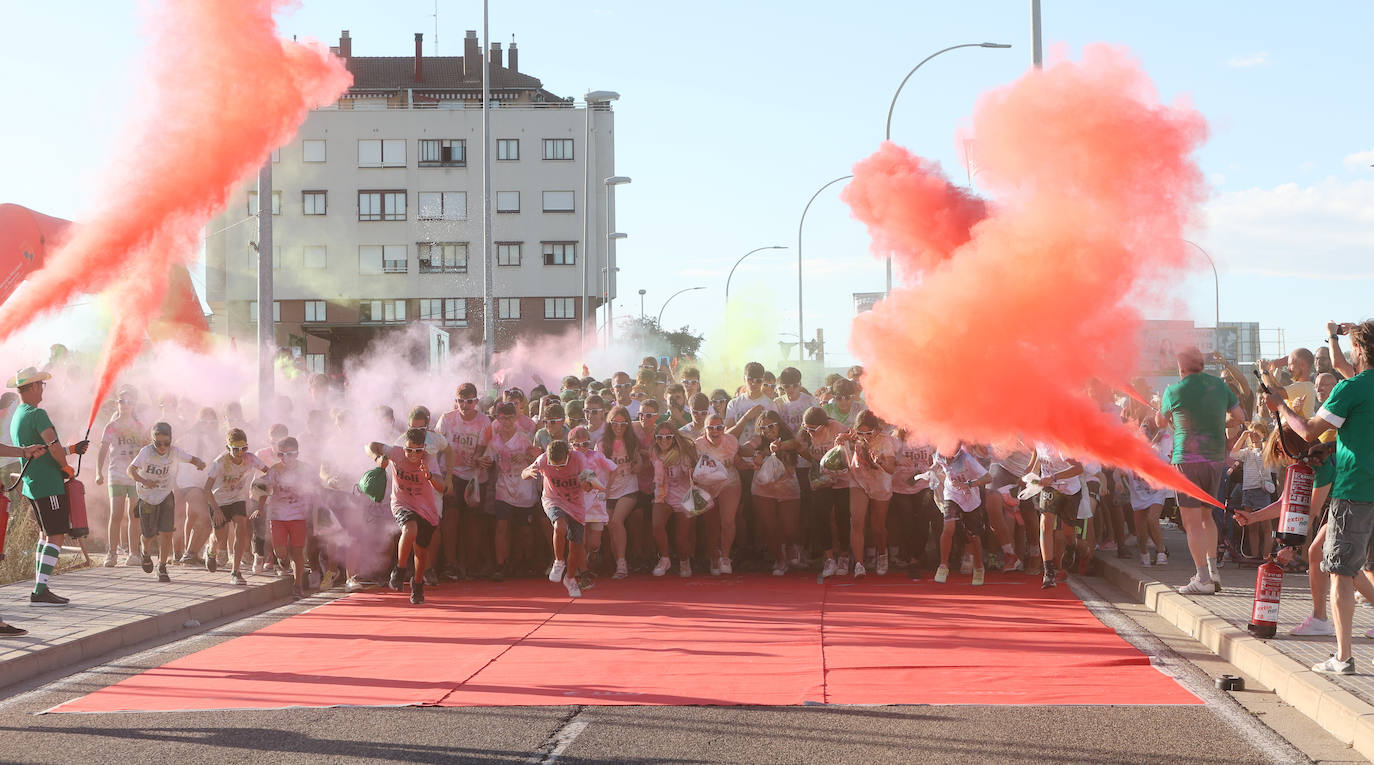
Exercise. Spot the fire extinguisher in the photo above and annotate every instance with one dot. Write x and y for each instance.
(1294, 512)
(1264, 614)
(4, 521)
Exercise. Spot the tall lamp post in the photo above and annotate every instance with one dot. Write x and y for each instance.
(801, 337)
(591, 100)
(1216, 280)
(659, 320)
(887, 133)
(741, 260)
(607, 261)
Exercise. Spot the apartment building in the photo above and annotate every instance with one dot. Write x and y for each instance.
(377, 211)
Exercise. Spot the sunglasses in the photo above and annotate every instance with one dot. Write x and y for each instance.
(812, 428)
(467, 401)
(701, 411)
(768, 426)
(690, 381)
(582, 444)
(550, 422)
(237, 449)
(619, 386)
(665, 437)
(863, 433)
(844, 397)
(645, 416)
(715, 427)
(292, 454)
(638, 396)
(594, 411)
(621, 423)
(409, 449)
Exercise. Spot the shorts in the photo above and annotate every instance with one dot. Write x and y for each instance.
(53, 513)
(424, 530)
(972, 523)
(1255, 498)
(595, 525)
(1059, 505)
(289, 533)
(1347, 537)
(1095, 490)
(233, 510)
(1002, 478)
(576, 530)
(157, 519)
(119, 491)
(503, 511)
(1207, 476)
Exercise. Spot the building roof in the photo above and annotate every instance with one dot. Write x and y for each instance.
(440, 73)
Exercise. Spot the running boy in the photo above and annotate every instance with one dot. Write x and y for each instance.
(413, 502)
(154, 470)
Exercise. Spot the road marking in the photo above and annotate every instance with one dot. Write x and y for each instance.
(552, 750)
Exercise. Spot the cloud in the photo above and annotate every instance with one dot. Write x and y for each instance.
(1360, 159)
(1248, 61)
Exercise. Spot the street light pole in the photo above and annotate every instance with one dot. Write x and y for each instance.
(801, 341)
(1216, 280)
(741, 260)
(641, 304)
(887, 133)
(659, 320)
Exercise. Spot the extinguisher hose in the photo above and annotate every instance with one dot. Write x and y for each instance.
(11, 487)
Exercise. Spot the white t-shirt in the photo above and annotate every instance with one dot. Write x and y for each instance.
(124, 438)
(511, 456)
(291, 493)
(739, 405)
(958, 469)
(161, 469)
(464, 438)
(792, 412)
(1051, 462)
(232, 482)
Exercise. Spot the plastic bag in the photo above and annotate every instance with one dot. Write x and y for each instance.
(771, 471)
(472, 495)
(835, 459)
(710, 475)
(696, 502)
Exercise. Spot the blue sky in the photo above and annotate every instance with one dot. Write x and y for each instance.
(732, 114)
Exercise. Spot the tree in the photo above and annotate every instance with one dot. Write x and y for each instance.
(650, 338)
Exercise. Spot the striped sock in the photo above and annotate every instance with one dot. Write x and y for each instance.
(47, 561)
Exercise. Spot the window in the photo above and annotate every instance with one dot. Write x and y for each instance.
(253, 310)
(558, 148)
(443, 205)
(508, 253)
(314, 310)
(276, 155)
(253, 203)
(382, 205)
(508, 201)
(314, 363)
(453, 312)
(560, 308)
(382, 259)
(558, 201)
(312, 150)
(314, 256)
(560, 253)
(379, 311)
(508, 308)
(439, 152)
(507, 148)
(443, 257)
(314, 202)
(378, 152)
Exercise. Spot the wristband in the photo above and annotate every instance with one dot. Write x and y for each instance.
(1334, 339)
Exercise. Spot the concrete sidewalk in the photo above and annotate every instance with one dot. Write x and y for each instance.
(115, 607)
(1343, 705)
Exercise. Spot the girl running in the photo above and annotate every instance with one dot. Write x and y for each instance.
(778, 501)
(622, 446)
(673, 458)
(509, 449)
(718, 449)
(829, 510)
(872, 462)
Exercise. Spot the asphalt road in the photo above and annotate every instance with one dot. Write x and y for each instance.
(1219, 732)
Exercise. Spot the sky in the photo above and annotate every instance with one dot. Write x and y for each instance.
(732, 114)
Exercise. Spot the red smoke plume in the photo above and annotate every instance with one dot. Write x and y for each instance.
(220, 92)
(1021, 303)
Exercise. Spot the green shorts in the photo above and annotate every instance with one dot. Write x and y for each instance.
(127, 492)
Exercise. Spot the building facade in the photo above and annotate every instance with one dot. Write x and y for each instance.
(377, 212)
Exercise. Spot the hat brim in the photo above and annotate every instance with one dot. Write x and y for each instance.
(15, 383)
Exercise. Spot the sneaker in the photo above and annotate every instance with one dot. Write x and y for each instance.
(111, 560)
(353, 585)
(257, 565)
(211, 563)
(978, 577)
(796, 561)
(1108, 546)
(1145, 559)
(586, 580)
(236, 577)
(1011, 563)
(574, 591)
(1314, 626)
(842, 566)
(881, 568)
(1216, 586)
(726, 567)
(134, 559)
(450, 574)
(1197, 586)
(556, 573)
(1048, 580)
(1334, 666)
(714, 567)
(622, 569)
(147, 565)
(397, 576)
(966, 564)
(941, 574)
(162, 574)
(1162, 559)
(829, 569)
(662, 566)
(780, 569)
(684, 569)
(47, 598)
(327, 582)
(9, 630)
(859, 571)
(417, 590)
(431, 577)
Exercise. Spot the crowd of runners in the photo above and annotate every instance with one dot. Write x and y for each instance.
(650, 473)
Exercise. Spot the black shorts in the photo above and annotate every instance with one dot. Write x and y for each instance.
(1063, 507)
(233, 510)
(54, 514)
(157, 519)
(424, 530)
(504, 511)
(973, 523)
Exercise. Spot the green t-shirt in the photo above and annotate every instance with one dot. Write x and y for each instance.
(1198, 405)
(43, 477)
(1351, 409)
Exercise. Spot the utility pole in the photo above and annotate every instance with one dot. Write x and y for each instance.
(488, 308)
(267, 330)
(1037, 53)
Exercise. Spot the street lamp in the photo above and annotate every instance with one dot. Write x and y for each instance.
(591, 99)
(659, 320)
(887, 133)
(606, 267)
(1216, 280)
(741, 260)
(800, 223)
(641, 304)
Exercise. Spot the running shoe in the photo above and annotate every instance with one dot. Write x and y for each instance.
(941, 574)
(1012, 563)
(556, 573)
(859, 571)
(9, 630)
(966, 564)
(575, 591)
(842, 566)
(397, 576)
(134, 559)
(586, 580)
(622, 569)
(211, 563)
(1314, 626)
(417, 590)
(662, 567)
(726, 567)
(829, 569)
(780, 569)
(1334, 666)
(47, 598)
(1196, 586)
(450, 574)
(684, 568)
(147, 565)
(111, 560)
(353, 585)
(431, 578)
(162, 574)
(236, 577)
(978, 577)
(881, 568)
(1145, 559)
(1162, 559)
(1048, 580)
(257, 565)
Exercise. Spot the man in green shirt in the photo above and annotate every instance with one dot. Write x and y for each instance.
(45, 478)
(1349, 410)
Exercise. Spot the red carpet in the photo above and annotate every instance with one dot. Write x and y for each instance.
(742, 640)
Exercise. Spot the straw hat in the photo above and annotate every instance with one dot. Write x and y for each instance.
(27, 375)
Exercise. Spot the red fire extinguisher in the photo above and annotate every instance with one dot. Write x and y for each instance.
(76, 503)
(1264, 614)
(1296, 504)
(4, 521)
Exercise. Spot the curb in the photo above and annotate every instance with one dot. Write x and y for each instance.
(88, 648)
(1341, 713)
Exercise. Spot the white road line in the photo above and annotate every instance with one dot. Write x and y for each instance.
(553, 749)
